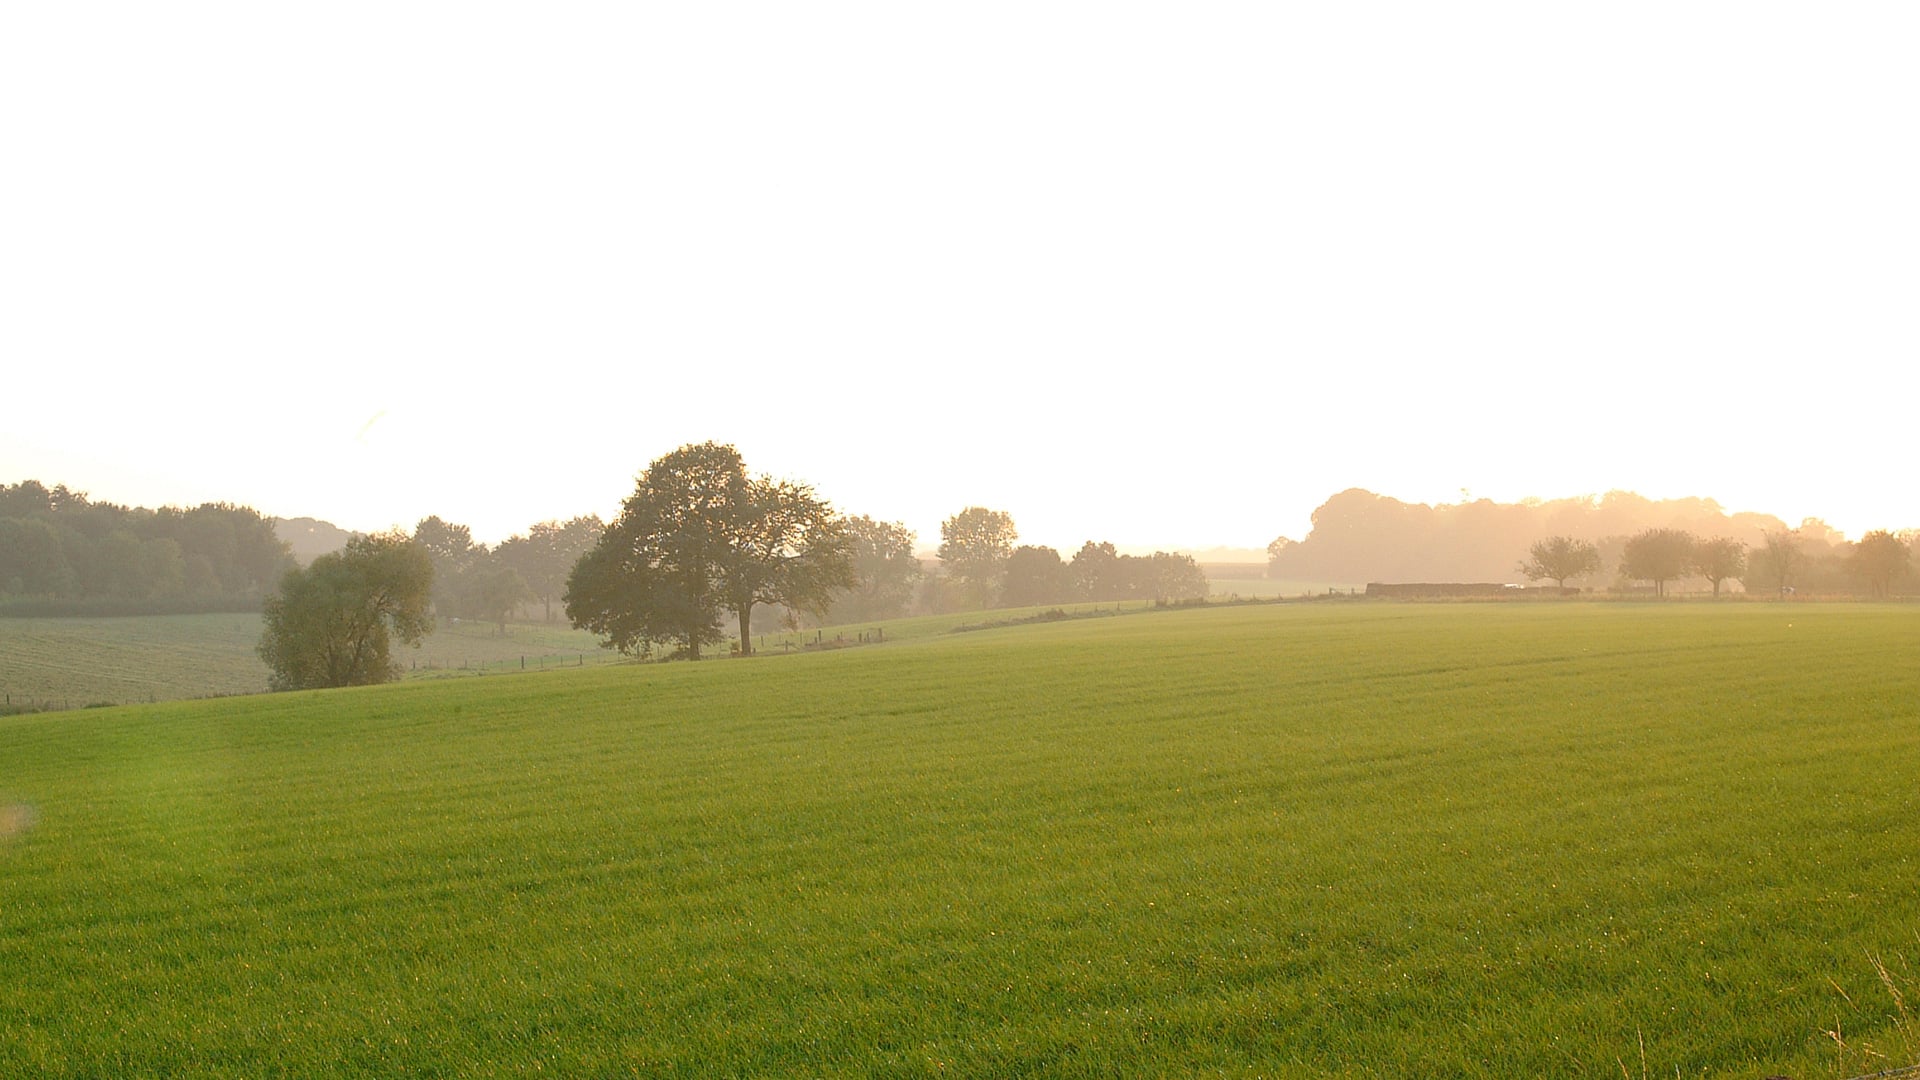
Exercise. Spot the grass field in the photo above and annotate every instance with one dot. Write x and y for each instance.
(1268, 588)
(74, 662)
(79, 662)
(1305, 840)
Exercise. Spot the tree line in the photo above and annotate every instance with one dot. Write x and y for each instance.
(61, 552)
(1880, 562)
(1358, 536)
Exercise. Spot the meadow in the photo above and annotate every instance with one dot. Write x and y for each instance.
(76, 662)
(1297, 841)
(88, 662)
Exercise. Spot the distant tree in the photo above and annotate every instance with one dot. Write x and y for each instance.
(1778, 562)
(333, 623)
(546, 554)
(494, 589)
(1719, 559)
(1164, 576)
(885, 571)
(1035, 575)
(1096, 572)
(32, 559)
(974, 546)
(25, 499)
(163, 573)
(452, 551)
(1659, 556)
(63, 546)
(1879, 559)
(1558, 558)
(1277, 554)
(699, 537)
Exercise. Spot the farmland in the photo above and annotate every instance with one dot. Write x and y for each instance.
(1305, 840)
(58, 663)
(91, 661)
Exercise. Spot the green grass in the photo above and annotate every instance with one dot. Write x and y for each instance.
(469, 647)
(1267, 588)
(72, 662)
(1308, 840)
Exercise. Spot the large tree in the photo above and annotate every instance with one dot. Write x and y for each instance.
(1558, 558)
(1878, 559)
(699, 537)
(333, 623)
(789, 548)
(1659, 556)
(974, 546)
(1719, 559)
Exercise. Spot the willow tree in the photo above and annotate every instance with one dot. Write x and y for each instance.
(333, 623)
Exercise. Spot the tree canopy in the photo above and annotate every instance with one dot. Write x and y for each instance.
(333, 623)
(1719, 559)
(1879, 559)
(65, 553)
(697, 538)
(1558, 558)
(545, 555)
(1659, 556)
(885, 571)
(974, 546)
(1035, 575)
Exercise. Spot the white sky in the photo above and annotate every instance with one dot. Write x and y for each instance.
(1167, 275)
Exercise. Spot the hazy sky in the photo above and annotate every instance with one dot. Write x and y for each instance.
(1160, 274)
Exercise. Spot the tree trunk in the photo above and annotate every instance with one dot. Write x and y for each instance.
(746, 624)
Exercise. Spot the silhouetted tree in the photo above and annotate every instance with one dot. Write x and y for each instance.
(885, 571)
(546, 554)
(332, 624)
(1277, 554)
(1558, 558)
(974, 546)
(1777, 562)
(1659, 556)
(789, 548)
(1035, 575)
(58, 545)
(1879, 558)
(453, 553)
(1719, 559)
(1167, 576)
(494, 589)
(32, 562)
(697, 537)
(1095, 572)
